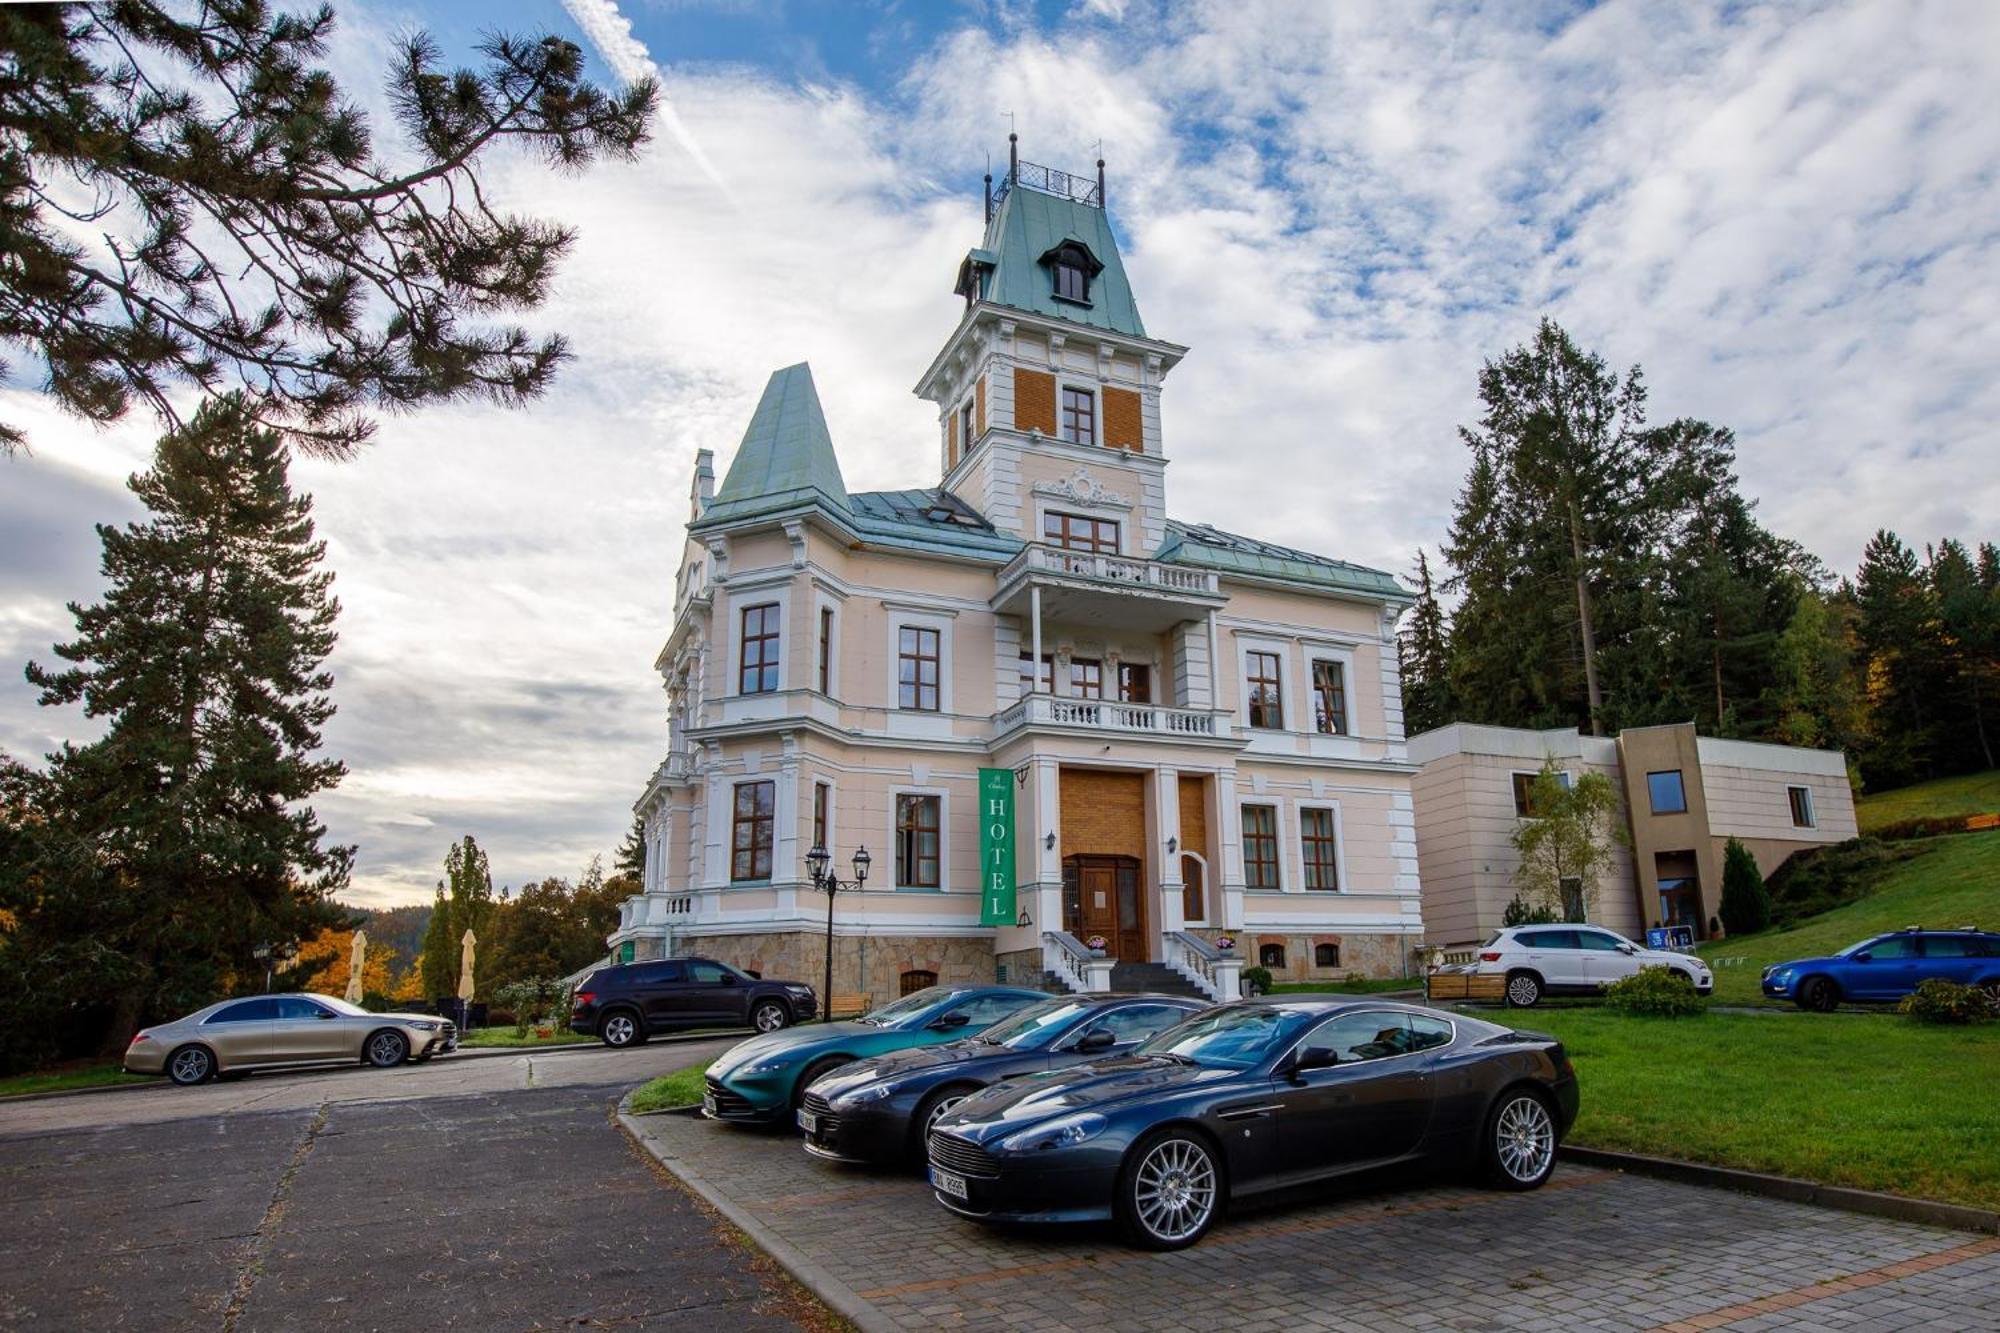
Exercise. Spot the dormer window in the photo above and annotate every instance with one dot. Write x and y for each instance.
(1071, 267)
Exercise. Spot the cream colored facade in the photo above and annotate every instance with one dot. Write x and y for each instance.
(1776, 799)
(1129, 800)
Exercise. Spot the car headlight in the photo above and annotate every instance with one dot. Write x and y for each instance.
(872, 1092)
(800, 990)
(1071, 1129)
(770, 1064)
(425, 1027)
(1781, 974)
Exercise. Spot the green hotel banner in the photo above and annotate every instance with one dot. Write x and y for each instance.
(996, 847)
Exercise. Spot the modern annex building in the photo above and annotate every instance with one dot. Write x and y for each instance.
(1684, 797)
(1202, 731)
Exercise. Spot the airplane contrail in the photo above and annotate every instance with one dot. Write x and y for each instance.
(611, 33)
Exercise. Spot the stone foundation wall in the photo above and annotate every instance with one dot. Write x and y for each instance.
(1023, 967)
(1368, 955)
(870, 965)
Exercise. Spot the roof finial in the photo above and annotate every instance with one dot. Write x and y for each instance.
(1013, 153)
(986, 195)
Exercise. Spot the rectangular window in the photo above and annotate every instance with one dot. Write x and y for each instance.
(917, 842)
(1261, 674)
(1802, 810)
(1667, 794)
(1071, 284)
(1524, 792)
(1079, 415)
(965, 427)
(1086, 678)
(917, 668)
(826, 650)
(751, 830)
(1260, 847)
(820, 794)
(1135, 683)
(1330, 697)
(1043, 680)
(1075, 532)
(758, 672)
(1316, 841)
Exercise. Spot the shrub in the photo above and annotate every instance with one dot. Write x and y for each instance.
(1746, 906)
(1256, 981)
(1921, 826)
(1654, 992)
(1521, 912)
(1941, 1001)
(538, 1000)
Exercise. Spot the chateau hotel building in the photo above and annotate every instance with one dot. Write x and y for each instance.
(1203, 730)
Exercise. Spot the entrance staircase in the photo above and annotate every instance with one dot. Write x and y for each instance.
(1155, 978)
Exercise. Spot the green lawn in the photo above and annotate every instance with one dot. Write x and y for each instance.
(1354, 986)
(1955, 881)
(1970, 794)
(504, 1036)
(94, 1074)
(1866, 1100)
(680, 1088)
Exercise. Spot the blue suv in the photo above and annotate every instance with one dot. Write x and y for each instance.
(1888, 967)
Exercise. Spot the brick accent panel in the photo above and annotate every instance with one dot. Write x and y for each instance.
(951, 439)
(1194, 818)
(979, 411)
(1121, 421)
(1103, 814)
(1034, 401)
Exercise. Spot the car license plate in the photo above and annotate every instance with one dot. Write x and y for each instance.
(947, 1183)
(808, 1122)
(708, 1105)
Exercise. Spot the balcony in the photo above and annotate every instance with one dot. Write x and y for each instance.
(1112, 718)
(1113, 590)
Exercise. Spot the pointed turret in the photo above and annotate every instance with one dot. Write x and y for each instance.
(1034, 232)
(786, 458)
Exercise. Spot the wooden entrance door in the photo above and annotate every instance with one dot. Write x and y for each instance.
(1105, 900)
(1194, 891)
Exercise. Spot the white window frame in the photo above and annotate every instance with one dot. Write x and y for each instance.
(742, 599)
(825, 601)
(1287, 676)
(1243, 842)
(944, 838)
(1339, 848)
(1096, 440)
(1812, 810)
(1345, 658)
(832, 813)
(901, 616)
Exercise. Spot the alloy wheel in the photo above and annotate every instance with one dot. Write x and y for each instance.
(1523, 990)
(769, 1017)
(1525, 1139)
(619, 1030)
(192, 1065)
(1173, 1191)
(939, 1111)
(386, 1049)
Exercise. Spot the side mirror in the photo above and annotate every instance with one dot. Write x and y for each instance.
(949, 1021)
(1100, 1040)
(1314, 1059)
(1863, 957)
(1629, 950)
(325, 1013)
(728, 979)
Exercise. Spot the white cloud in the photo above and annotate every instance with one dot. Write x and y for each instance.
(1785, 214)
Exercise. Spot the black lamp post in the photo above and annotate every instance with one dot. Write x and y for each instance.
(819, 864)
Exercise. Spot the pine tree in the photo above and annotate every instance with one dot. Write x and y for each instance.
(630, 860)
(439, 960)
(1746, 904)
(1898, 638)
(206, 661)
(1968, 653)
(187, 199)
(1422, 648)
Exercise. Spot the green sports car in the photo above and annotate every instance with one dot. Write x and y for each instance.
(762, 1080)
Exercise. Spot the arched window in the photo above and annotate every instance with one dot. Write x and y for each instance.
(1271, 955)
(917, 979)
(1326, 955)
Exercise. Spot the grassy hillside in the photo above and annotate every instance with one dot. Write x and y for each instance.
(1971, 794)
(1954, 881)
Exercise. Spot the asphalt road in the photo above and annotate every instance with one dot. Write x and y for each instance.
(480, 1193)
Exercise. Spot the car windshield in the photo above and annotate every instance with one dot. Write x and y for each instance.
(341, 1006)
(909, 1007)
(1227, 1038)
(1036, 1026)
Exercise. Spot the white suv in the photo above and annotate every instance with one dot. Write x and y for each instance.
(1575, 960)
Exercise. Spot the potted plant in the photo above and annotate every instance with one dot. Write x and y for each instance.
(1096, 945)
(1225, 942)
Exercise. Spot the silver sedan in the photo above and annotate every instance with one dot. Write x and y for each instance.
(283, 1030)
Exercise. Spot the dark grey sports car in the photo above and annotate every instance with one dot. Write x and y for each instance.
(1249, 1097)
(879, 1109)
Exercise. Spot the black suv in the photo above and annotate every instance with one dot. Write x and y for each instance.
(624, 1005)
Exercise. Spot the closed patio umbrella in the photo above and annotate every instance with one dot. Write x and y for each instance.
(354, 962)
(465, 966)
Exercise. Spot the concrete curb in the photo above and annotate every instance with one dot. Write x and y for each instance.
(836, 1294)
(1928, 1212)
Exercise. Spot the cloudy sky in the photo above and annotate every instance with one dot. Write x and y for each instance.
(1788, 214)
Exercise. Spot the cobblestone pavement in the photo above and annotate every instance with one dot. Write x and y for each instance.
(1592, 1249)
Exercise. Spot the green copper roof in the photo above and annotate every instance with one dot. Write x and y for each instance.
(928, 521)
(1228, 553)
(786, 458)
(1029, 224)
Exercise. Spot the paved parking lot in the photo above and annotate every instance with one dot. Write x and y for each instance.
(1593, 1249)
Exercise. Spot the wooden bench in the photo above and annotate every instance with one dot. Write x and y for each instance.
(848, 1004)
(1466, 986)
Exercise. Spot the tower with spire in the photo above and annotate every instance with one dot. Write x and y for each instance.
(1199, 732)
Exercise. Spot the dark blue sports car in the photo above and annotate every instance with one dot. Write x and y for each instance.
(1249, 1097)
(878, 1109)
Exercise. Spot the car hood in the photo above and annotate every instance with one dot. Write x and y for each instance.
(917, 1059)
(1007, 1106)
(400, 1017)
(1828, 961)
(796, 1041)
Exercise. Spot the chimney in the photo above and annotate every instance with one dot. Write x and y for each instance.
(703, 489)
